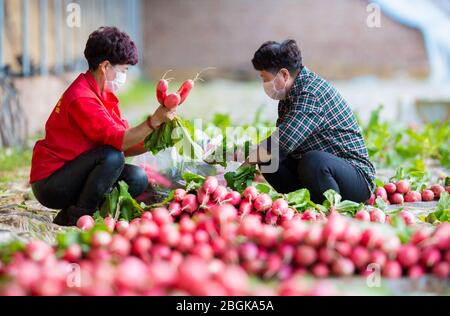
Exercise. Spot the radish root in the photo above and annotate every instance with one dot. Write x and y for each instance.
(197, 76)
(165, 74)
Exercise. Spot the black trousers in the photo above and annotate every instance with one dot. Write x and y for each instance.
(84, 181)
(318, 172)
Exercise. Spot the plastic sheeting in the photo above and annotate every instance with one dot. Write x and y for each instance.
(433, 22)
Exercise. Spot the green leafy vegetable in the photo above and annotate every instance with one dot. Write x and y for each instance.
(241, 178)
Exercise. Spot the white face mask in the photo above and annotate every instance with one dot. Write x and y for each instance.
(272, 92)
(114, 85)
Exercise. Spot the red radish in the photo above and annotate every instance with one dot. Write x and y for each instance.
(396, 198)
(286, 252)
(187, 225)
(141, 246)
(131, 273)
(203, 251)
(363, 215)
(233, 197)
(251, 226)
(442, 236)
(210, 185)
(189, 203)
(160, 251)
(305, 255)
(169, 235)
(352, 235)
(447, 188)
(72, 253)
(343, 267)
(309, 215)
(172, 100)
(392, 269)
(110, 223)
(391, 245)
(381, 192)
(371, 200)
(343, 248)
(289, 215)
(135, 221)
(378, 257)
(430, 256)
(186, 242)
(161, 215)
(327, 255)
(202, 197)
(403, 186)
(98, 254)
(148, 229)
(271, 218)
(37, 250)
(294, 232)
(408, 255)
(174, 208)
(442, 270)
(184, 90)
(28, 274)
(220, 194)
(427, 195)
(419, 236)
(320, 270)
(224, 213)
(122, 226)
(370, 238)
(335, 226)
(408, 217)
(377, 216)
(416, 272)
(85, 222)
(201, 236)
(280, 207)
(269, 236)
(412, 196)
(360, 257)
(390, 188)
(119, 246)
(147, 216)
(314, 236)
(130, 232)
(234, 279)
(179, 194)
(161, 88)
(101, 239)
(437, 190)
(250, 193)
(262, 203)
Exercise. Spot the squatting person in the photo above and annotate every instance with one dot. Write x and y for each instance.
(82, 156)
(319, 140)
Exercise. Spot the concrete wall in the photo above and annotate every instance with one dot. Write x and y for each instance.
(188, 35)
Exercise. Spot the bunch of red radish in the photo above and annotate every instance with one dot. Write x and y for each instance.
(376, 215)
(400, 192)
(214, 252)
(212, 194)
(174, 99)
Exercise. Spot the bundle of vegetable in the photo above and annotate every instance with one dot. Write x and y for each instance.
(177, 133)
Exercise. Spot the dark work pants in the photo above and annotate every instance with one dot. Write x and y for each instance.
(318, 172)
(84, 181)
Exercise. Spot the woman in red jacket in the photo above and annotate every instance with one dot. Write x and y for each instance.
(82, 156)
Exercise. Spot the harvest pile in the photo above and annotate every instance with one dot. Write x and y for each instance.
(210, 240)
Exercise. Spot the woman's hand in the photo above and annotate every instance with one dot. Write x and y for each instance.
(162, 115)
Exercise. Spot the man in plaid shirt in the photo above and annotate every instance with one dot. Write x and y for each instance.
(319, 140)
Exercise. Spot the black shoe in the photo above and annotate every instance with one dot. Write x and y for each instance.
(69, 216)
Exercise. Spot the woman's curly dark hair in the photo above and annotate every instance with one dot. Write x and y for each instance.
(109, 43)
(272, 56)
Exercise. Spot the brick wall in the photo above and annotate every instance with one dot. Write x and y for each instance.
(188, 35)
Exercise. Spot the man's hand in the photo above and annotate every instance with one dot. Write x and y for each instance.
(162, 115)
(257, 156)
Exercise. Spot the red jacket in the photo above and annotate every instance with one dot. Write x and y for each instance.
(83, 119)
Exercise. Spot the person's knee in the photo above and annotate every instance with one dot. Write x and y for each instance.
(312, 164)
(113, 157)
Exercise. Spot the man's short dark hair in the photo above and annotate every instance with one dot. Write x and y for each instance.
(109, 43)
(273, 56)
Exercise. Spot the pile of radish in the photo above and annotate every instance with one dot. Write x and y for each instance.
(214, 251)
(400, 192)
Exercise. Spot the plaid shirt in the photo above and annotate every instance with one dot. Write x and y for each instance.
(314, 116)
